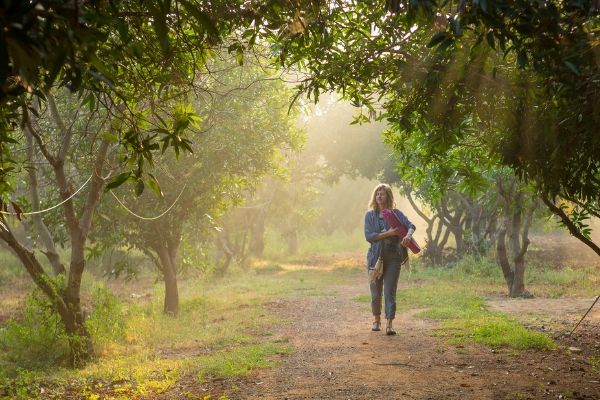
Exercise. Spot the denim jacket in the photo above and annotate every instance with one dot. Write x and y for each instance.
(372, 230)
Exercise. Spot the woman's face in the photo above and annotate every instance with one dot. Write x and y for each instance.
(381, 198)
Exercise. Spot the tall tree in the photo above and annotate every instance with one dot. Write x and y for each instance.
(244, 125)
(527, 70)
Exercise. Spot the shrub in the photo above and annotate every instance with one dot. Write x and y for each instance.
(106, 322)
(38, 339)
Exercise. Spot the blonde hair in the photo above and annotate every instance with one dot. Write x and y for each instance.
(389, 196)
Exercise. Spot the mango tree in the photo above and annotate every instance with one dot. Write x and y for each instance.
(523, 72)
(243, 125)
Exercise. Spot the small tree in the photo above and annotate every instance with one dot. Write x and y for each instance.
(63, 289)
(244, 125)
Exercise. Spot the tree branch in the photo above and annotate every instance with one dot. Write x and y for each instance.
(67, 134)
(42, 229)
(40, 142)
(417, 209)
(569, 224)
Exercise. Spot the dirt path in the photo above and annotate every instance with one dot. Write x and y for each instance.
(336, 356)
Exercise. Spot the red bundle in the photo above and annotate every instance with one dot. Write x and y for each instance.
(393, 221)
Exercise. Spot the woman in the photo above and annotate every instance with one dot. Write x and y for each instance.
(386, 240)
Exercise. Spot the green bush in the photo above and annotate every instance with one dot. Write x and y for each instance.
(106, 322)
(38, 339)
(476, 267)
(22, 387)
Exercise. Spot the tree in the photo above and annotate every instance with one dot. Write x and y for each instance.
(536, 59)
(519, 205)
(63, 288)
(117, 50)
(244, 124)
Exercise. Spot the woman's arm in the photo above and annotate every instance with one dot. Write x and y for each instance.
(372, 233)
(409, 226)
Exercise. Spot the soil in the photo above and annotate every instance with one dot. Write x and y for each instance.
(337, 356)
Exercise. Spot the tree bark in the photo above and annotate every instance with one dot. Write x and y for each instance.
(41, 228)
(518, 287)
(70, 314)
(169, 271)
(224, 246)
(502, 256)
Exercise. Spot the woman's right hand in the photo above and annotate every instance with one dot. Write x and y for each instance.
(392, 232)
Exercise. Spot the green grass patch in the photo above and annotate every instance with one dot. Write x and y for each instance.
(453, 295)
(485, 277)
(497, 331)
(239, 361)
(506, 333)
(566, 282)
(224, 329)
(12, 270)
(316, 244)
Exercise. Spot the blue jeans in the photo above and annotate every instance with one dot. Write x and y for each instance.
(387, 285)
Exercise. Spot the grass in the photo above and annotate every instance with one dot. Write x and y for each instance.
(567, 282)
(240, 361)
(311, 244)
(224, 330)
(455, 296)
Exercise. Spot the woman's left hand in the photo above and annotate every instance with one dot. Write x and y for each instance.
(406, 240)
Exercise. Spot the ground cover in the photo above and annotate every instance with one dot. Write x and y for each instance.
(301, 329)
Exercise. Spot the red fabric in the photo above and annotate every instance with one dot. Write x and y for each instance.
(393, 221)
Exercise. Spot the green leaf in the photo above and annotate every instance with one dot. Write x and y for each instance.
(202, 17)
(455, 24)
(159, 18)
(239, 56)
(437, 39)
(153, 184)
(445, 44)
(110, 137)
(117, 181)
(573, 68)
(139, 187)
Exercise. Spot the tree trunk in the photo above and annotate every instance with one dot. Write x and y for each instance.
(477, 237)
(224, 247)
(518, 285)
(169, 271)
(66, 301)
(503, 257)
(433, 252)
(520, 249)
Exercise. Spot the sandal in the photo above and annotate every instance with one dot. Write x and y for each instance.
(390, 331)
(376, 326)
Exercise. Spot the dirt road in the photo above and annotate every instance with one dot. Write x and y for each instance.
(336, 356)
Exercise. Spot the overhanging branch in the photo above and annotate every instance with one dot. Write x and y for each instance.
(569, 224)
